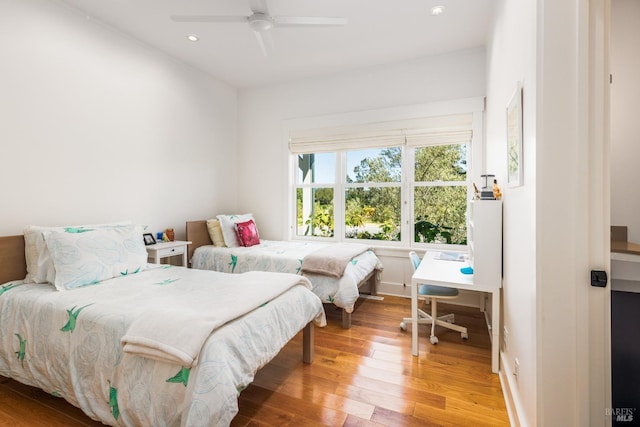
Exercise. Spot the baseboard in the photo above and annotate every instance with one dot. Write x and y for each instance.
(510, 392)
(375, 297)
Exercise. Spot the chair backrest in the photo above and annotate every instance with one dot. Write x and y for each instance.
(415, 260)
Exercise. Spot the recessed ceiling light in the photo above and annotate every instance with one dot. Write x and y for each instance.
(193, 38)
(437, 10)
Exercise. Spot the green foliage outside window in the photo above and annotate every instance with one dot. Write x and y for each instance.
(320, 221)
(374, 211)
(440, 210)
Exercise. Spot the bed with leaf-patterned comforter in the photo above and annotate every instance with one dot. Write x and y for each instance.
(288, 256)
(68, 343)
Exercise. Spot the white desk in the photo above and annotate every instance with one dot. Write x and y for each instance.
(434, 271)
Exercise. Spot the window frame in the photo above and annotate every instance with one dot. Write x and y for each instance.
(407, 186)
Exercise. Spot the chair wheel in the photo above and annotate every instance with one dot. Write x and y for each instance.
(403, 326)
(434, 340)
(465, 336)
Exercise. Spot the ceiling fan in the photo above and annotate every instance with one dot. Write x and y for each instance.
(261, 22)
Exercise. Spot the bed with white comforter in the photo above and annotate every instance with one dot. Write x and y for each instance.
(338, 272)
(287, 256)
(69, 343)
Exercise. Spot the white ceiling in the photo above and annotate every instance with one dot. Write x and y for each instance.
(378, 32)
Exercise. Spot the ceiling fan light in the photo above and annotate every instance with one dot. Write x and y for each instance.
(260, 22)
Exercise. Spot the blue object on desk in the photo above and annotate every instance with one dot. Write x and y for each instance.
(466, 270)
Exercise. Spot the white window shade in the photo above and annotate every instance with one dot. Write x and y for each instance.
(414, 132)
(423, 137)
(327, 142)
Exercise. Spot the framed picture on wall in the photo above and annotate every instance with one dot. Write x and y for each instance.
(514, 138)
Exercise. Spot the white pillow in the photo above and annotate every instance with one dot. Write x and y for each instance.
(89, 257)
(228, 225)
(39, 266)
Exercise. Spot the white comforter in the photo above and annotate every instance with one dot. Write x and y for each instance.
(158, 334)
(286, 257)
(68, 344)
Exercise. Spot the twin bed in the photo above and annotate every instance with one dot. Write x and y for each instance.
(153, 345)
(362, 272)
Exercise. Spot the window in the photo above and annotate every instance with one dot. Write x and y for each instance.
(372, 194)
(440, 194)
(315, 194)
(390, 185)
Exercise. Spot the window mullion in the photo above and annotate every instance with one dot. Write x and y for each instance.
(339, 196)
(407, 195)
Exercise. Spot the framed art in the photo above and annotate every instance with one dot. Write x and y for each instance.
(514, 138)
(148, 239)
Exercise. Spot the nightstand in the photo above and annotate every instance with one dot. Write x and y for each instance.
(168, 249)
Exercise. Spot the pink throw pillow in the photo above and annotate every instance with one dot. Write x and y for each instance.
(247, 233)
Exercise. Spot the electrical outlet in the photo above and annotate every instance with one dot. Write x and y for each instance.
(516, 368)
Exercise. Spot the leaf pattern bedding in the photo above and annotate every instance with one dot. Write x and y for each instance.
(68, 344)
(286, 257)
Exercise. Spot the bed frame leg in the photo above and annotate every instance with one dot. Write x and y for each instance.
(375, 280)
(346, 319)
(307, 343)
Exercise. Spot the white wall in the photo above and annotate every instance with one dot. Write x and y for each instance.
(625, 138)
(97, 127)
(511, 59)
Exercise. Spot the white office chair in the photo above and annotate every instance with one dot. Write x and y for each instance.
(434, 293)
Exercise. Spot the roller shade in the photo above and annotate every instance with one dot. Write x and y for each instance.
(414, 132)
(349, 141)
(422, 137)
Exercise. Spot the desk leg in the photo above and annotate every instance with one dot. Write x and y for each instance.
(495, 331)
(414, 319)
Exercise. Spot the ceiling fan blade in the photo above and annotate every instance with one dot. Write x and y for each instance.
(264, 41)
(208, 18)
(259, 6)
(301, 21)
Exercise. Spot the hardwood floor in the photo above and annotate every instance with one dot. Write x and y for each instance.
(363, 376)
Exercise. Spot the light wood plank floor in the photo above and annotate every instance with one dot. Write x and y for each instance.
(363, 376)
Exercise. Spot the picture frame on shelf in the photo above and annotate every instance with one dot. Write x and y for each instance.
(514, 139)
(149, 239)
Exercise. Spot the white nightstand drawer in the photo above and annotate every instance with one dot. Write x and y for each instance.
(178, 250)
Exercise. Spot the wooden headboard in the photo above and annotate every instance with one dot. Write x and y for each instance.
(198, 235)
(12, 262)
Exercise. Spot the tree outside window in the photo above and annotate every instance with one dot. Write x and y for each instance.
(372, 201)
(440, 194)
(373, 194)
